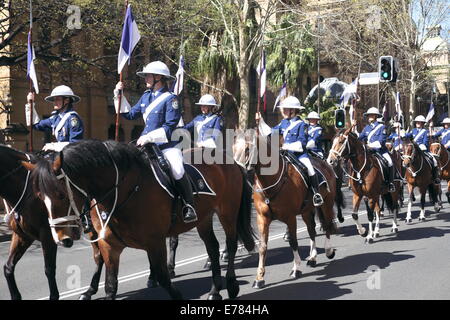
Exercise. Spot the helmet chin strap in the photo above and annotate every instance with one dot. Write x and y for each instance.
(155, 82)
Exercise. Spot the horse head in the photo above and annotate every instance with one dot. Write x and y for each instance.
(410, 151)
(435, 147)
(342, 146)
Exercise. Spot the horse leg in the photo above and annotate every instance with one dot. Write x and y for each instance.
(448, 191)
(293, 243)
(17, 248)
(158, 260)
(381, 208)
(370, 211)
(93, 288)
(152, 282)
(212, 248)
(231, 249)
(308, 217)
(49, 249)
(263, 223)
(111, 256)
(394, 219)
(422, 204)
(378, 212)
(173, 242)
(410, 201)
(356, 202)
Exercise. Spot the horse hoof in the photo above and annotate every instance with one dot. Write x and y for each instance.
(152, 283)
(295, 274)
(341, 219)
(259, 284)
(287, 237)
(215, 296)
(84, 297)
(311, 263)
(172, 274)
(365, 233)
(224, 257)
(331, 256)
(207, 265)
(369, 241)
(408, 220)
(394, 230)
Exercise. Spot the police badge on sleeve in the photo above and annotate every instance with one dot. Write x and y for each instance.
(74, 122)
(175, 103)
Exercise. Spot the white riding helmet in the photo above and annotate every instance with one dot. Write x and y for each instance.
(207, 100)
(155, 67)
(62, 91)
(291, 102)
(420, 119)
(313, 115)
(373, 110)
(446, 121)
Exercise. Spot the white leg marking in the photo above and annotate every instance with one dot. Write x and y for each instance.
(297, 261)
(312, 251)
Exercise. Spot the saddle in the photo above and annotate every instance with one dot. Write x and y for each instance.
(383, 165)
(167, 182)
(303, 170)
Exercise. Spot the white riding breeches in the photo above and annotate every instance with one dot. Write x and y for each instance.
(387, 156)
(308, 165)
(175, 158)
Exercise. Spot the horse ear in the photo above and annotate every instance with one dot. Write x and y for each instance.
(28, 165)
(57, 163)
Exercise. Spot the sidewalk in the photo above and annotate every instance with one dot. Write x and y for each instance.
(5, 232)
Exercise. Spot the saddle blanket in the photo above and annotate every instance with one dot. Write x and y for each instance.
(303, 171)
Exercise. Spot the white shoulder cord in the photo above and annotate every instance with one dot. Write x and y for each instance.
(10, 212)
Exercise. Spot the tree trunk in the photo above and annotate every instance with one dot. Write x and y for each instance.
(244, 104)
(412, 96)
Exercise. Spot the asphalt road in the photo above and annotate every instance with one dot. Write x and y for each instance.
(413, 264)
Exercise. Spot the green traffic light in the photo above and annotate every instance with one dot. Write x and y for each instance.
(385, 75)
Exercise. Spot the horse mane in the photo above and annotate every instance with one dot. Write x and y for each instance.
(82, 159)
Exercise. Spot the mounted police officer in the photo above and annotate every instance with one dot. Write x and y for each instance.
(374, 134)
(159, 108)
(395, 137)
(314, 134)
(444, 133)
(295, 134)
(64, 122)
(421, 137)
(207, 126)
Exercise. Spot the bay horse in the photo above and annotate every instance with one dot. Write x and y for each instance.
(284, 195)
(140, 210)
(418, 174)
(442, 155)
(29, 222)
(366, 180)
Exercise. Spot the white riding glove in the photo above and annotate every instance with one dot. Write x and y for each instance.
(374, 145)
(124, 105)
(311, 144)
(295, 146)
(54, 146)
(36, 118)
(422, 147)
(155, 136)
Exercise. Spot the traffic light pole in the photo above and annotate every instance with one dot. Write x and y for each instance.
(378, 84)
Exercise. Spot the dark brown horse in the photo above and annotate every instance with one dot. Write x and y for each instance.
(282, 196)
(419, 174)
(140, 211)
(366, 180)
(31, 222)
(441, 153)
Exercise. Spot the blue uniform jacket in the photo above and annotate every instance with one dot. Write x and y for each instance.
(209, 129)
(165, 115)
(379, 135)
(395, 139)
(445, 134)
(72, 130)
(314, 134)
(297, 133)
(422, 139)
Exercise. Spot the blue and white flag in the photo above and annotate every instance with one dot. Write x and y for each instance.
(430, 113)
(261, 69)
(178, 85)
(31, 71)
(282, 94)
(130, 37)
(349, 92)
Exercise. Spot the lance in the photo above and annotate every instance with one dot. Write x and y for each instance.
(30, 147)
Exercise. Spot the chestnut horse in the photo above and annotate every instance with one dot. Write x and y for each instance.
(139, 210)
(442, 154)
(418, 174)
(284, 195)
(366, 180)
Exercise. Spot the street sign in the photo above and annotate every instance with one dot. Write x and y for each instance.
(368, 78)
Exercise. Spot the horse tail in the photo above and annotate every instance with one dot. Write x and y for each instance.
(244, 226)
(328, 225)
(339, 197)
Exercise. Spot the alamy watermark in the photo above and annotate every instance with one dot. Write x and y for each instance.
(74, 279)
(373, 282)
(74, 18)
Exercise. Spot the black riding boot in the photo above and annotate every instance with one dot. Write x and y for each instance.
(391, 179)
(317, 197)
(185, 190)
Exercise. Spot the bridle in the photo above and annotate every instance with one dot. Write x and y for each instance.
(77, 215)
(339, 153)
(411, 158)
(438, 154)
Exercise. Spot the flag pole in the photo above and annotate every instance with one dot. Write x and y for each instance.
(30, 147)
(258, 106)
(121, 91)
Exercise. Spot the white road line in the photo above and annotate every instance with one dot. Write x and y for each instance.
(181, 263)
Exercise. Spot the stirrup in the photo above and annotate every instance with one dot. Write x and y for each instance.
(391, 187)
(185, 211)
(317, 200)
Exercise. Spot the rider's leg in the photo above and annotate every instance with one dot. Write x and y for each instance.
(435, 169)
(183, 185)
(317, 198)
(391, 167)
